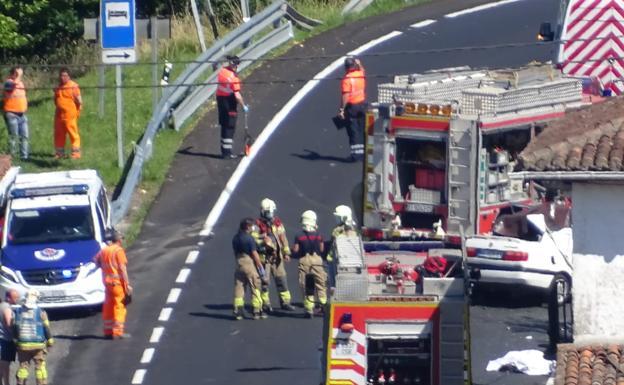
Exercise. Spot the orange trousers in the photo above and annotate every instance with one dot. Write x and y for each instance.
(114, 311)
(63, 128)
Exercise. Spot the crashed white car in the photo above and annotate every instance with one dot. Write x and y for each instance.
(529, 255)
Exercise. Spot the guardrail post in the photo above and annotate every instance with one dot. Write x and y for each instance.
(119, 115)
(198, 26)
(154, 36)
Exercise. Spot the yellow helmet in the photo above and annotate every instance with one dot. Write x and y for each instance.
(308, 220)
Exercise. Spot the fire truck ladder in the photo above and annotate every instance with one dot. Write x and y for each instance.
(461, 175)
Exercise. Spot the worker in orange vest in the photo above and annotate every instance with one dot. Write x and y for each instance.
(353, 105)
(228, 99)
(112, 260)
(68, 103)
(15, 105)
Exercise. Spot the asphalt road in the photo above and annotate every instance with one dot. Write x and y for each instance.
(301, 167)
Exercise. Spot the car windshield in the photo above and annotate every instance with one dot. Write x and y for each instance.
(50, 224)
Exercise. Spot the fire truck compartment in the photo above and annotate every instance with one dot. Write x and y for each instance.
(402, 349)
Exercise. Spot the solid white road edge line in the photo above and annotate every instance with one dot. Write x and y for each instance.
(270, 128)
(174, 294)
(165, 313)
(156, 334)
(479, 8)
(148, 354)
(183, 275)
(139, 375)
(192, 257)
(422, 24)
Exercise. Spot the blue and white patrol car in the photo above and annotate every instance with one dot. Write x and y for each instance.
(54, 224)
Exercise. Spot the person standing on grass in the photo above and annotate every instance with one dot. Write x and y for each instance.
(68, 103)
(7, 346)
(15, 105)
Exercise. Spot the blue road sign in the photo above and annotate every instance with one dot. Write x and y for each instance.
(118, 31)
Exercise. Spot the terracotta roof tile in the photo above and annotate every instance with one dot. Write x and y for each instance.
(590, 138)
(589, 365)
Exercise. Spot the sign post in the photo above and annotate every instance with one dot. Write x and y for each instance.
(118, 47)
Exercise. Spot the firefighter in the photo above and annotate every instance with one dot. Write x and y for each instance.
(68, 103)
(274, 252)
(353, 105)
(249, 271)
(32, 335)
(345, 227)
(312, 276)
(15, 105)
(228, 99)
(112, 259)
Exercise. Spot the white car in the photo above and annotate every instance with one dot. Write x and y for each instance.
(534, 256)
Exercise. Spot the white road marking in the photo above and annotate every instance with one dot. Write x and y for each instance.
(139, 375)
(156, 334)
(147, 356)
(192, 257)
(422, 24)
(183, 275)
(479, 8)
(174, 294)
(270, 128)
(165, 313)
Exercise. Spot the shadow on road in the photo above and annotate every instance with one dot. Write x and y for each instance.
(187, 151)
(228, 317)
(313, 155)
(79, 338)
(273, 369)
(510, 298)
(72, 313)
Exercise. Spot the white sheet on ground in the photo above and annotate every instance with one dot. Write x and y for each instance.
(531, 362)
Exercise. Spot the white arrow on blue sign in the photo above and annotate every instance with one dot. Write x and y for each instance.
(118, 31)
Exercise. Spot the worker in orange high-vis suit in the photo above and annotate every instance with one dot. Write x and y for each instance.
(68, 106)
(228, 99)
(112, 260)
(353, 105)
(14, 105)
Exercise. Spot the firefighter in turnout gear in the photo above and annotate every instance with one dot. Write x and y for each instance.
(31, 331)
(353, 105)
(228, 99)
(274, 252)
(345, 227)
(249, 271)
(308, 248)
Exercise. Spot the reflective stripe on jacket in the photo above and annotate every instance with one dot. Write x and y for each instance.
(64, 99)
(228, 82)
(111, 259)
(30, 328)
(354, 84)
(14, 99)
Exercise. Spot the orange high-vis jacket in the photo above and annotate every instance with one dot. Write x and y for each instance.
(64, 99)
(229, 83)
(15, 99)
(354, 84)
(110, 259)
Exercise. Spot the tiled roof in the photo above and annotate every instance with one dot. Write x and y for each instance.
(590, 138)
(589, 365)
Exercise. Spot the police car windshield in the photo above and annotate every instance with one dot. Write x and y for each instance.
(50, 224)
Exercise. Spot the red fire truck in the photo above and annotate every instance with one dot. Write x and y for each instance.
(440, 147)
(386, 326)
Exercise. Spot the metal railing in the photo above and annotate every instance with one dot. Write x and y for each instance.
(356, 6)
(183, 98)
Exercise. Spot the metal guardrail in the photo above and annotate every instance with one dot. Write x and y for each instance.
(355, 6)
(182, 98)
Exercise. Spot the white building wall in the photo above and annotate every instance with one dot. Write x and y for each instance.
(598, 279)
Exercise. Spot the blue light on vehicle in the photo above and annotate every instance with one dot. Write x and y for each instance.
(66, 273)
(43, 191)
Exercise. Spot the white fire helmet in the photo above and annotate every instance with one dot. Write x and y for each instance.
(343, 215)
(32, 296)
(267, 208)
(308, 220)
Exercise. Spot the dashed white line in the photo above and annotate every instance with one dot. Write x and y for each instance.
(479, 8)
(183, 275)
(165, 313)
(192, 257)
(147, 356)
(174, 294)
(156, 334)
(139, 375)
(422, 24)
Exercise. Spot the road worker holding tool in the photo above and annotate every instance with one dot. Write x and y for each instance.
(228, 98)
(274, 252)
(353, 105)
(249, 271)
(308, 248)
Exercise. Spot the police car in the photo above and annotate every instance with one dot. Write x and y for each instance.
(54, 224)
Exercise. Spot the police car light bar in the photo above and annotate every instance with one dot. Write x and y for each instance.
(43, 191)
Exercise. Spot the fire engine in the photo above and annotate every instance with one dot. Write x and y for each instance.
(387, 326)
(440, 147)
